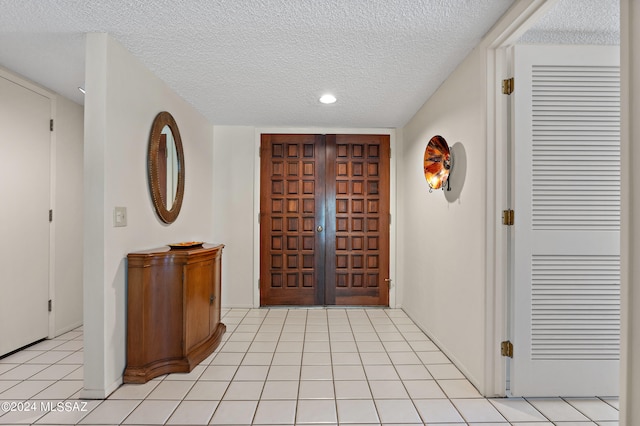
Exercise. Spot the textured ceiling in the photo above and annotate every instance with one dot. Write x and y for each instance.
(263, 62)
(578, 22)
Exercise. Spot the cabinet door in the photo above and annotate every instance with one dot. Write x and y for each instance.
(197, 288)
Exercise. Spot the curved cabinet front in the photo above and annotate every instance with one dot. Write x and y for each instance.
(173, 310)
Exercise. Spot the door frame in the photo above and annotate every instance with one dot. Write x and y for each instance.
(518, 19)
(392, 197)
(8, 75)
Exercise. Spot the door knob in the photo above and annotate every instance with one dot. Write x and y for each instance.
(320, 228)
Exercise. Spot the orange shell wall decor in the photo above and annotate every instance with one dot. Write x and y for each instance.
(437, 162)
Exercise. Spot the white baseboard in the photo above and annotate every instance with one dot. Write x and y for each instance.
(100, 393)
(445, 351)
(66, 329)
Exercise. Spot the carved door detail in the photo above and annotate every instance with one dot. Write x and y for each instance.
(324, 220)
(291, 206)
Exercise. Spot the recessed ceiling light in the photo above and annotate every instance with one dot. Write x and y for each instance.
(327, 99)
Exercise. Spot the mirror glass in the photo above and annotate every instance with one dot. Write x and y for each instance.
(166, 167)
(168, 154)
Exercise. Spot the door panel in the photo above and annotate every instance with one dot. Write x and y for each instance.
(24, 222)
(566, 294)
(292, 209)
(358, 237)
(198, 289)
(324, 225)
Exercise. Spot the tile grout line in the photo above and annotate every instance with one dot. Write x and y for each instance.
(264, 384)
(216, 352)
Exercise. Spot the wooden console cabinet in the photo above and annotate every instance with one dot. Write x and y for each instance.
(173, 310)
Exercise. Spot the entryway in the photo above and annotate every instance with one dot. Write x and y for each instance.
(324, 219)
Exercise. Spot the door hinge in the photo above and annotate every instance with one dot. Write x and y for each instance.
(50, 215)
(507, 86)
(259, 214)
(390, 153)
(258, 282)
(50, 305)
(508, 217)
(260, 151)
(51, 125)
(389, 219)
(506, 349)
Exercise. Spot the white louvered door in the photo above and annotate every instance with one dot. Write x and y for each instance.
(566, 254)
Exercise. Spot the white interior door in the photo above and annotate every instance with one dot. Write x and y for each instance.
(566, 294)
(24, 223)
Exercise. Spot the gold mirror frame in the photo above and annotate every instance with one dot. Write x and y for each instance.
(167, 214)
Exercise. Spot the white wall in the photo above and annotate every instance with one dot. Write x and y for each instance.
(68, 216)
(442, 240)
(122, 99)
(630, 233)
(234, 220)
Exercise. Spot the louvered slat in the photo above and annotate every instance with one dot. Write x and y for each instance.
(576, 148)
(575, 307)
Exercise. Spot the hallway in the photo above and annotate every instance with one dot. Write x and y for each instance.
(285, 367)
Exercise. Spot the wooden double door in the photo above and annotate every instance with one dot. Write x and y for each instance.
(324, 219)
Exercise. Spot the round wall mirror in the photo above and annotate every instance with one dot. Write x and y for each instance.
(165, 162)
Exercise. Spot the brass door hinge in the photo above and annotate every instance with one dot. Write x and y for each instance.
(508, 217)
(506, 348)
(507, 86)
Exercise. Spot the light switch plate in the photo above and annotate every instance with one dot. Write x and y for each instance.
(119, 216)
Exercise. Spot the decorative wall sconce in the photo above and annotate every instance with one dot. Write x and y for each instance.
(438, 162)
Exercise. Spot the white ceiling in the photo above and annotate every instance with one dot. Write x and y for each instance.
(262, 62)
(578, 22)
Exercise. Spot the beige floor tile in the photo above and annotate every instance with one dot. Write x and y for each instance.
(280, 390)
(316, 411)
(193, 413)
(234, 413)
(151, 413)
(276, 412)
(316, 389)
(207, 391)
(243, 391)
(171, 390)
(110, 412)
(131, 391)
(357, 411)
